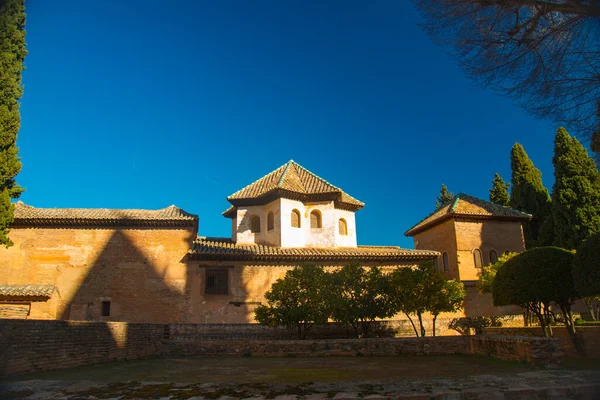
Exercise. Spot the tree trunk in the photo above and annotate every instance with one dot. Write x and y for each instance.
(421, 324)
(412, 323)
(568, 315)
(434, 318)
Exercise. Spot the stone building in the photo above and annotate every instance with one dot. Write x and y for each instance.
(151, 265)
(470, 233)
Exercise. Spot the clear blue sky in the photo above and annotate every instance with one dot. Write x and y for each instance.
(144, 104)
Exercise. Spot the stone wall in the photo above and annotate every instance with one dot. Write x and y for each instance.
(29, 345)
(331, 330)
(141, 272)
(540, 352)
(589, 335)
(318, 348)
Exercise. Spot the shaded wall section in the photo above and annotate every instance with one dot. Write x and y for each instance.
(48, 345)
(141, 273)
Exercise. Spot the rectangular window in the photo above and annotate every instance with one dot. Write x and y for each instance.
(216, 281)
(106, 308)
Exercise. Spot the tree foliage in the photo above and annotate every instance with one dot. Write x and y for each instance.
(298, 301)
(586, 267)
(545, 54)
(484, 283)
(360, 295)
(12, 55)
(499, 191)
(576, 192)
(529, 195)
(444, 197)
(421, 289)
(536, 279)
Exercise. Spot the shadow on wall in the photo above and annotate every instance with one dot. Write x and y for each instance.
(131, 283)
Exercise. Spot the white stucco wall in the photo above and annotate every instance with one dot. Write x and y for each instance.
(285, 235)
(292, 237)
(348, 240)
(241, 226)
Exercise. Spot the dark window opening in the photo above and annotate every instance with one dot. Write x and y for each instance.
(315, 219)
(255, 224)
(295, 219)
(216, 281)
(270, 221)
(493, 257)
(106, 308)
(446, 263)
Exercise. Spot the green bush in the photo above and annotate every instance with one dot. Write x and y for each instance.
(586, 267)
(582, 322)
(540, 275)
(536, 279)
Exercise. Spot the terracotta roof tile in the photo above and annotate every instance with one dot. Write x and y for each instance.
(293, 181)
(27, 290)
(26, 215)
(466, 206)
(223, 249)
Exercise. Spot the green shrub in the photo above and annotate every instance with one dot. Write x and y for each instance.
(586, 267)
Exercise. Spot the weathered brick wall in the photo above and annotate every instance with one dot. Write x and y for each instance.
(540, 352)
(332, 330)
(317, 348)
(142, 272)
(589, 335)
(29, 345)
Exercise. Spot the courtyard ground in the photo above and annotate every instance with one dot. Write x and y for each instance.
(414, 377)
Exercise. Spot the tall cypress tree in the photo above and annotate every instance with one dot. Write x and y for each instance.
(12, 55)
(529, 195)
(576, 192)
(499, 191)
(444, 197)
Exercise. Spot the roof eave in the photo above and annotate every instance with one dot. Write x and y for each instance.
(418, 229)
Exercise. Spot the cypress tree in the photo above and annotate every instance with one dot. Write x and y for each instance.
(529, 195)
(499, 191)
(12, 55)
(444, 197)
(576, 192)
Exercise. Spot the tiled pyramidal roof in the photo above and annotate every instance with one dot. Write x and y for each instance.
(27, 290)
(26, 215)
(466, 206)
(224, 249)
(293, 181)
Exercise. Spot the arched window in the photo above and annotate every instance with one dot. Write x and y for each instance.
(493, 257)
(445, 262)
(477, 258)
(255, 224)
(315, 219)
(295, 218)
(270, 221)
(343, 227)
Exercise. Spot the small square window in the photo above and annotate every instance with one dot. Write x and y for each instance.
(106, 308)
(216, 281)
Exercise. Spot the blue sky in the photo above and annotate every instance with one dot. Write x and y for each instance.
(144, 104)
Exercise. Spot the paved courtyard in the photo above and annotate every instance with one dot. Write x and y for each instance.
(287, 378)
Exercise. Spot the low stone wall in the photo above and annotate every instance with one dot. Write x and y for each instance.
(317, 348)
(331, 330)
(37, 345)
(589, 336)
(539, 352)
